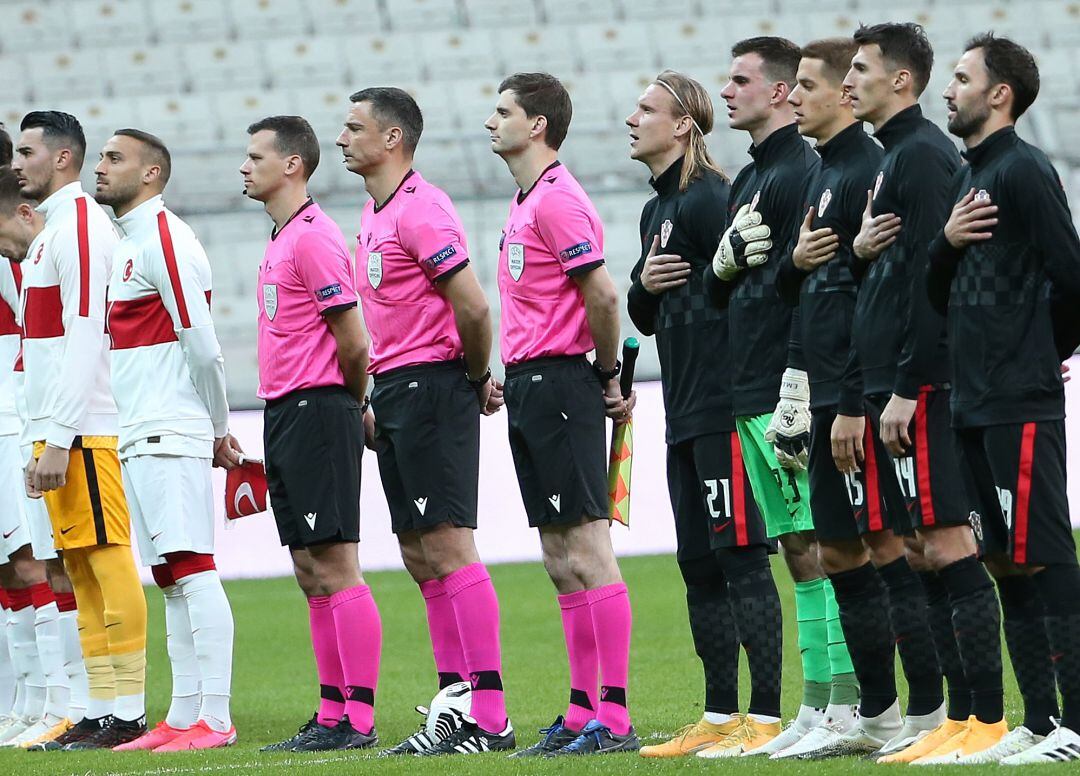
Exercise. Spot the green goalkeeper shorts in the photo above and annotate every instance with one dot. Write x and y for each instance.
(782, 496)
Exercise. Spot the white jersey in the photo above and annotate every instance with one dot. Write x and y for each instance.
(168, 375)
(10, 278)
(65, 353)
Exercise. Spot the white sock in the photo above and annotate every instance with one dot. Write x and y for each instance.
(25, 652)
(810, 717)
(7, 670)
(130, 707)
(184, 709)
(843, 714)
(51, 653)
(764, 719)
(96, 708)
(212, 633)
(74, 666)
(717, 718)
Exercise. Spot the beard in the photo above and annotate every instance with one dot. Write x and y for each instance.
(968, 121)
(116, 194)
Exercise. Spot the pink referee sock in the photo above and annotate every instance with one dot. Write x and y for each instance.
(443, 627)
(581, 651)
(477, 609)
(324, 644)
(611, 618)
(359, 638)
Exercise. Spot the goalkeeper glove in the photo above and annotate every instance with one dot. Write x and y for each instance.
(789, 430)
(745, 244)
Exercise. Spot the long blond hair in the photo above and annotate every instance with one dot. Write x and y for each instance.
(693, 99)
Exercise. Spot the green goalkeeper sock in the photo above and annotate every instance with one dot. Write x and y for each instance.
(813, 642)
(845, 686)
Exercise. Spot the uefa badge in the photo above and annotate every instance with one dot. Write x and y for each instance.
(665, 232)
(374, 268)
(515, 260)
(823, 203)
(270, 299)
(878, 182)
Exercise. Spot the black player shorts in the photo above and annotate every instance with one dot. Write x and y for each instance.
(1016, 473)
(849, 506)
(555, 409)
(313, 441)
(711, 498)
(427, 438)
(929, 474)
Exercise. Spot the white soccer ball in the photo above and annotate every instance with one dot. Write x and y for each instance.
(448, 708)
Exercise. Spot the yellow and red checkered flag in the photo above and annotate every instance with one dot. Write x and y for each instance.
(621, 460)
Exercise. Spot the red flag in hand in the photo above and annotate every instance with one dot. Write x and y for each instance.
(245, 489)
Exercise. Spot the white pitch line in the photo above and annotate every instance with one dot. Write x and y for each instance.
(256, 764)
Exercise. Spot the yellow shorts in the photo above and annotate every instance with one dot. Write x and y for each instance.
(90, 510)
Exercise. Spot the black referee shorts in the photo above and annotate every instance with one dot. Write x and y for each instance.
(929, 474)
(1017, 474)
(427, 435)
(849, 506)
(558, 439)
(711, 498)
(313, 441)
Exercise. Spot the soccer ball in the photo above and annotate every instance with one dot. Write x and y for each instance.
(448, 708)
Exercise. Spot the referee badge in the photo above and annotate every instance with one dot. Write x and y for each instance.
(374, 268)
(515, 259)
(665, 232)
(823, 203)
(270, 299)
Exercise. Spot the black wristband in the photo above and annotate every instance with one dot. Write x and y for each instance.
(367, 403)
(605, 375)
(478, 383)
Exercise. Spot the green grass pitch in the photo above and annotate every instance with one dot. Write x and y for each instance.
(275, 689)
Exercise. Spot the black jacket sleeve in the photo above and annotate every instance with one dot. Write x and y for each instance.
(927, 187)
(789, 280)
(796, 359)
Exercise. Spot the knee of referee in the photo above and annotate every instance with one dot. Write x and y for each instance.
(703, 573)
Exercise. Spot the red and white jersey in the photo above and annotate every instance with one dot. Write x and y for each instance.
(10, 279)
(168, 375)
(65, 353)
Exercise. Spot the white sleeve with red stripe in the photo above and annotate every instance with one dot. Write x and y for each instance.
(182, 276)
(82, 253)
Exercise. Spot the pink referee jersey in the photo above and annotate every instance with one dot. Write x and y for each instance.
(404, 247)
(305, 273)
(553, 232)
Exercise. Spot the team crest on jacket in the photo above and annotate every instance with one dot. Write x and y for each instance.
(127, 270)
(40, 251)
(270, 299)
(823, 203)
(515, 260)
(878, 182)
(374, 268)
(982, 195)
(665, 232)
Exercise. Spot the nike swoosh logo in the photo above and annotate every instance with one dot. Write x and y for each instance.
(155, 536)
(721, 528)
(9, 533)
(110, 624)
(65, 530)
(244, 490)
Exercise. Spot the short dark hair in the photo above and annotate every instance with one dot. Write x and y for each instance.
(779, 55)
(292, 135)
(1008, 62)
(10, 193)
(542, 94)
(834, 53)
(394, 107)
(58, 130)
(6, 146)
(903, 45)
(154, 148)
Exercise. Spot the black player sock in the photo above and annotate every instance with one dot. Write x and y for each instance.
(1024, 621)
(1059, 588)
(977, 622)
(909, 616)
(761, 624)
(941, 627)
(864, 616)
(716, 637)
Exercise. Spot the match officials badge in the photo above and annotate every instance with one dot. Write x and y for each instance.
(374, 268)
(515, 260)
(878, 182)
(665, 232)
(270, 299)
(823, 203)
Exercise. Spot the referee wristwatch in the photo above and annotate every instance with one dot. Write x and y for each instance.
(606, 375)
(478, 383)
